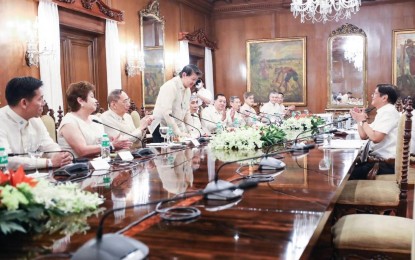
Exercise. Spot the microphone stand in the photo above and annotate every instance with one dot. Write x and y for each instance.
(246, 110)
(200, 139)
(119, 130)
(116, 246)
(275, 115)
(210, 121)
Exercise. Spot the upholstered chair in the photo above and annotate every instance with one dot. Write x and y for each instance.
(136, 118)
(378, 196)
(50, 126)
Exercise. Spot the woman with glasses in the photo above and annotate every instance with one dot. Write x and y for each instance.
(382, 132)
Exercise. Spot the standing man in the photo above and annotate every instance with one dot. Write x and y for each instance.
(117, 116)
(22, 128)
(212, 115)
(174, 99)
(233, 117)
(382, 132)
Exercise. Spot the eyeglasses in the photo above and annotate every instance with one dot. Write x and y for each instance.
(126, 101)
(376, 93)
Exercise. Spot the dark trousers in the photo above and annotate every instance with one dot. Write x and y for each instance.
(361, 171)
(156, 135)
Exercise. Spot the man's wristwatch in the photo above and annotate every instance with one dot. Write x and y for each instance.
(362, 122)
(50, 164)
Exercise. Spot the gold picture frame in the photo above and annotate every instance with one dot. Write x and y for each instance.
(277, 65)
(403, 61)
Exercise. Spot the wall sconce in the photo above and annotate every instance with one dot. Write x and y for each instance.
(32, 52)
(135, 61)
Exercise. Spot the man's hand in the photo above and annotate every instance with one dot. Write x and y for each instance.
(121, 144)
(61, 159)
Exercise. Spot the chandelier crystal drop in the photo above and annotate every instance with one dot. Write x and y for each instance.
(324, 10)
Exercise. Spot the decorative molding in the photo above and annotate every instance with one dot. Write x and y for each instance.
(153, 10)
(87, 5)
(198, 37)
(348, 29)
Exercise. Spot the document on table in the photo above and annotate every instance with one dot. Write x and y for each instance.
(345, 144)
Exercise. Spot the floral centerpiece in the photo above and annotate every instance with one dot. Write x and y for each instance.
(30, 205)
(300, 123)
(238, 139)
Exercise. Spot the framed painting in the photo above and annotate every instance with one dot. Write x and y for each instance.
(153, 75)
(277, 65)
(403, 61)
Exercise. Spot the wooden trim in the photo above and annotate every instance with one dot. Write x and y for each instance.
(100, 9)
(199, 38)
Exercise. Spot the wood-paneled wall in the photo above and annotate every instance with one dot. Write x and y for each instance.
(231, 33)
(378, 21)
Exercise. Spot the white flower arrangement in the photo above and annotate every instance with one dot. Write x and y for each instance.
(239, 139)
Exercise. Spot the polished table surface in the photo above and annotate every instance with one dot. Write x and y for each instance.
(279, 219)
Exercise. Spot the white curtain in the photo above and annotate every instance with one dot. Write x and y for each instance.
(112, 56)
(183, 58)
(209, 71)
(49, 60)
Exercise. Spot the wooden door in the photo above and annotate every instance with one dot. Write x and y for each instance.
(80, 61)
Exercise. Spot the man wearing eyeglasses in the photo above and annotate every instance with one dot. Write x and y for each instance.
(117, 116)
(382, 132)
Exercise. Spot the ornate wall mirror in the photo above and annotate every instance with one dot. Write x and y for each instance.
(152, 44)
(347, 68)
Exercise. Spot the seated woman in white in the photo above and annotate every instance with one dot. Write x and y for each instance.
(77, 132)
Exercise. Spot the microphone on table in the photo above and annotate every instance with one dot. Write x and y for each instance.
(276, 115)
(201, 139)
(207, 120)
(250, 112)
(217, 184)
(369, 109)
(116, 246)
(74, 160)
(143, 145)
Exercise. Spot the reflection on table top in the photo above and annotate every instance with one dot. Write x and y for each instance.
(281, 218)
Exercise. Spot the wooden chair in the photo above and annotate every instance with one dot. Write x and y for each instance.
(378, 196)
(48, 120)
(370, 236)
(136, 118)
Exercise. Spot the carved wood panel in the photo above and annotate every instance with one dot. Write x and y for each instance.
(79, 56)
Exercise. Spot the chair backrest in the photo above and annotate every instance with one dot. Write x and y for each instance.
(403, 142)
(50, 126)
(136, 118)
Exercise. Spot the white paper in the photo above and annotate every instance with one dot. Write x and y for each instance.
(126, 155)
(345, 144)
(100, 164)
(195, 142)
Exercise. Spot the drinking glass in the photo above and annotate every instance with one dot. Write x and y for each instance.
(163, 132)
(33, 150)
(325, 162)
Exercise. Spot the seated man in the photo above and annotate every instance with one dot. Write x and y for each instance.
(212, 115)
(284, 110)
(233, 117)
(117, 116)
(204, 96)
(382, 132)
(247, 109)
(22, 129)
(272, 109)
(195, 120)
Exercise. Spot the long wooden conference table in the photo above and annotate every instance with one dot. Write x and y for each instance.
(279, 219)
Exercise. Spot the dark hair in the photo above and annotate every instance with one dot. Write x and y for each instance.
(198, 81)
(280, 93)
(390, 90)
(248, 94)
(219, 95)
(190, 69)
(232, 98)
(20, 88)
(114, 96)
(79, 89)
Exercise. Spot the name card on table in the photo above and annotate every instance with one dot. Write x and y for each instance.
(100, 164)
(126, 155)
(195, 142)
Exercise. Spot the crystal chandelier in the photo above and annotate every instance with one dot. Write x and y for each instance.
(324, 10)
